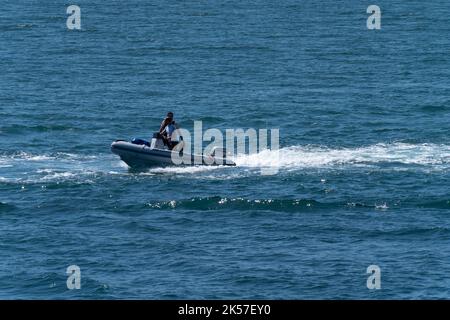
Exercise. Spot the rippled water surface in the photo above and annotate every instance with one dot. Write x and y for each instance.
(363, 168)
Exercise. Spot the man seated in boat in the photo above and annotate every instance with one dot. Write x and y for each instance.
(167, 129)
(168, 119)
(167, 134)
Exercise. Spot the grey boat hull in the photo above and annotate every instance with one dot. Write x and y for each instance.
(142, 156)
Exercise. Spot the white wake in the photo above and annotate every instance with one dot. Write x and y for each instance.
(319, 156)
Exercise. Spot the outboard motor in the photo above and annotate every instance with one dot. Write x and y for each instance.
(220, 155)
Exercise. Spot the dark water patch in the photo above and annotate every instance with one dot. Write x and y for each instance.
(438, 204)
(435, 108)
(18, 27)
(416, 232)
(26, 285)
(6, 207)
(207, 121)
(19, 129)
(137, 226)
(243, 48)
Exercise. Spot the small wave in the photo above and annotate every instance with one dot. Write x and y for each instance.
(26, 156)
(377, 206)
(7, 180)
(83, 176)
(383, 206)
(30, 157)
(217, 203)
(77, 177)
(50, 176)
(58, 158)
(4, 163)
(23, 156)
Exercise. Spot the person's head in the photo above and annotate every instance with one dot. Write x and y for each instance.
(169, 115)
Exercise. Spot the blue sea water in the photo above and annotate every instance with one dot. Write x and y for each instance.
(364, 161)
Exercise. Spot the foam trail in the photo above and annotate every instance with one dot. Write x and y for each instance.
(314, 156)
(78, 167)
(24, 167)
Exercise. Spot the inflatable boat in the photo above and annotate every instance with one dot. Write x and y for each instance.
(139, 153)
